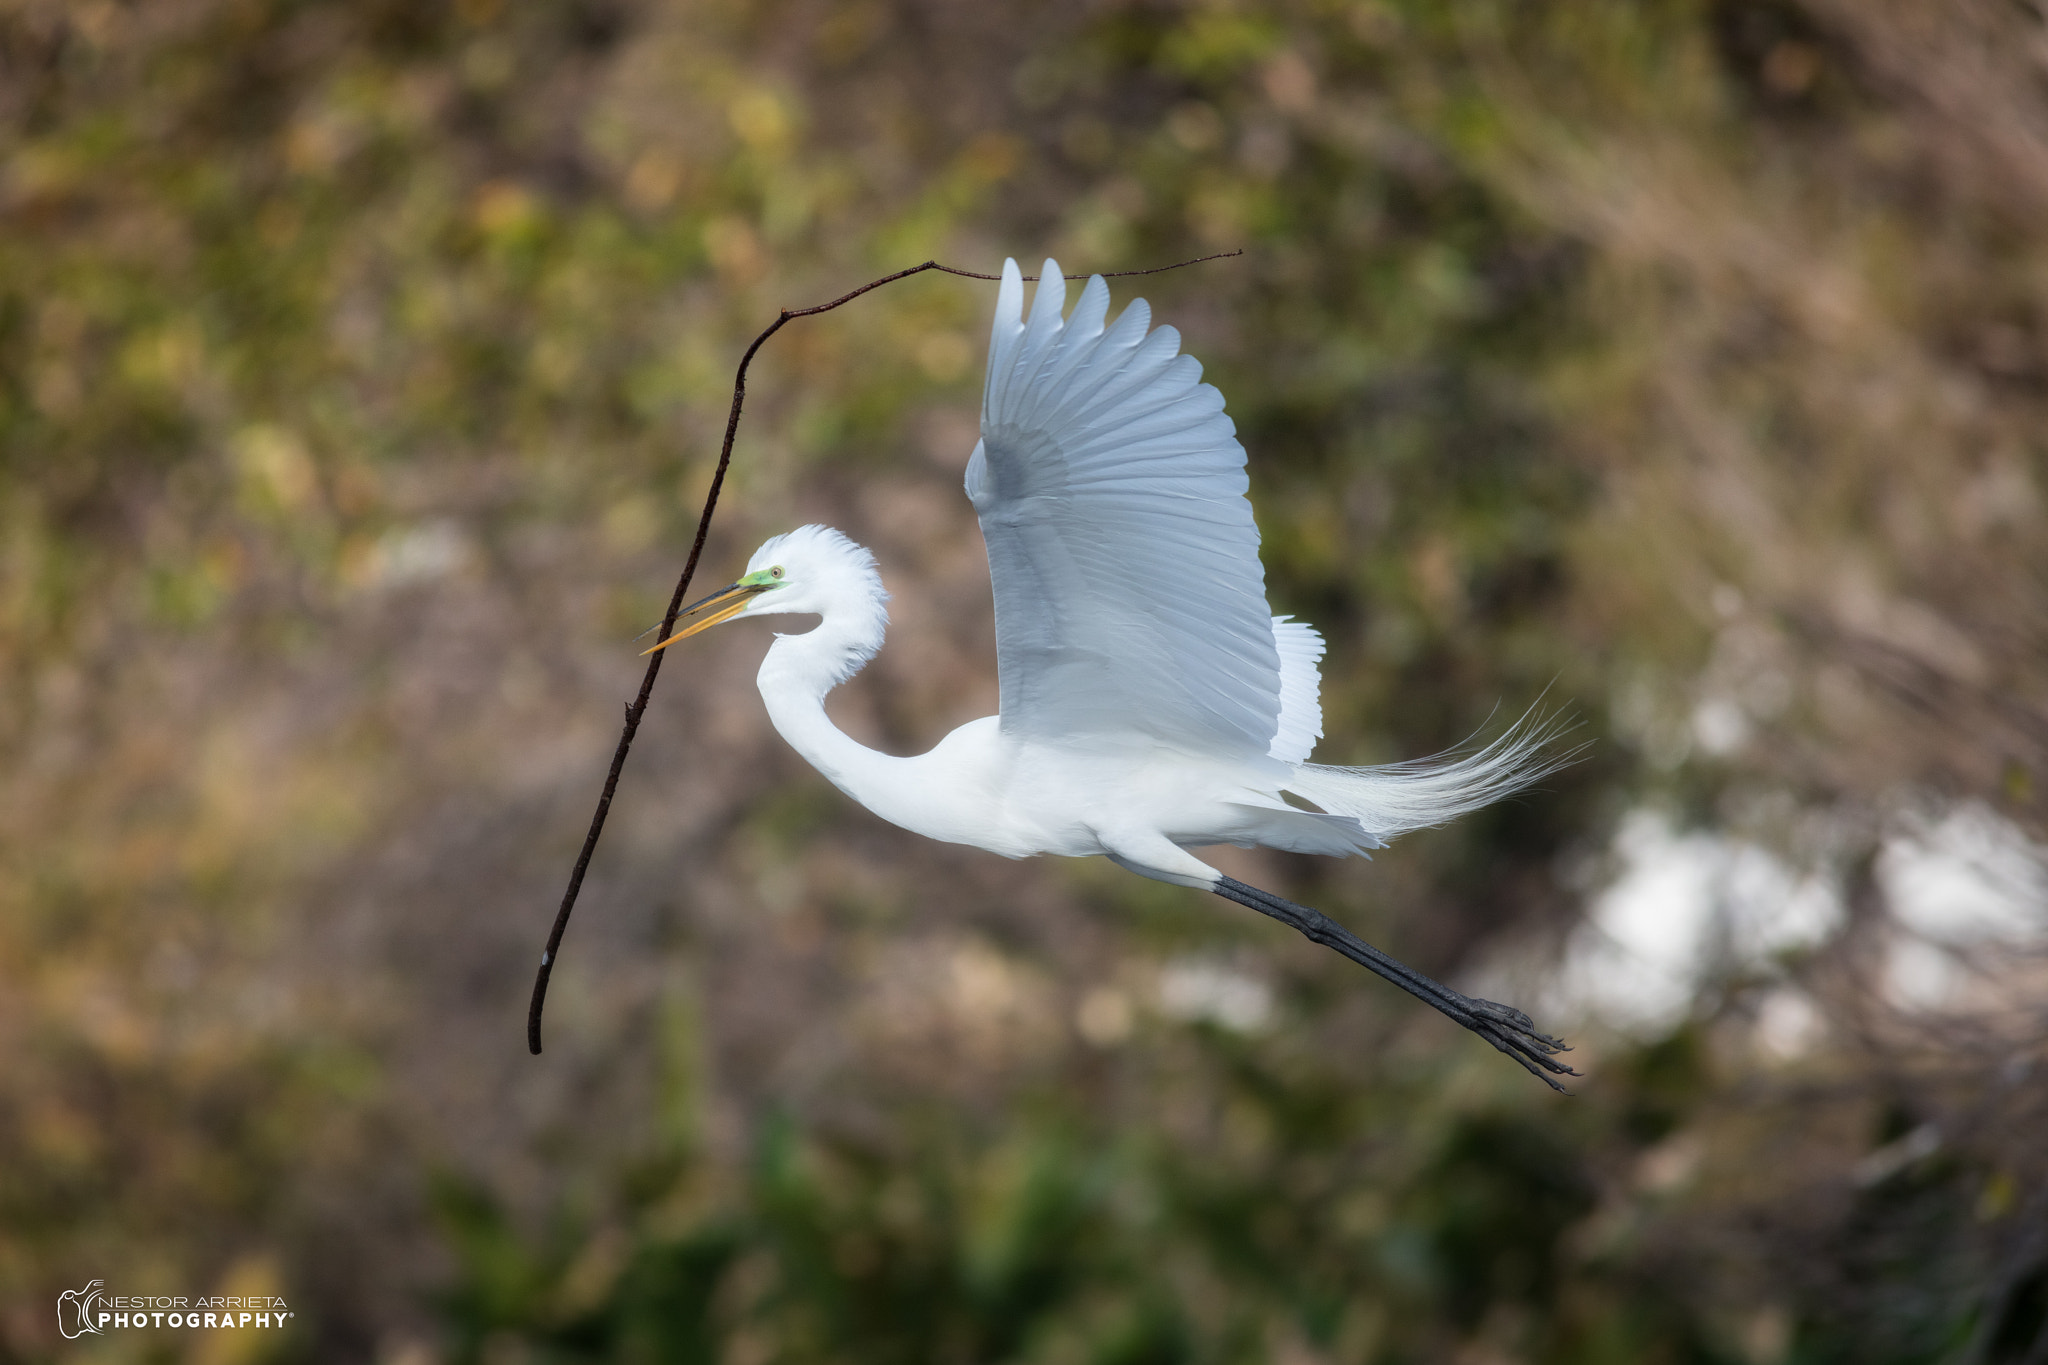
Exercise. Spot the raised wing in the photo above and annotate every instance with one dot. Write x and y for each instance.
(1111, 489)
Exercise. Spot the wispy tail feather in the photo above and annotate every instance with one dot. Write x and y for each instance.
(1394, 798)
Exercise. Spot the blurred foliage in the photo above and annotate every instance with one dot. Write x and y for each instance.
(1380, 1225)
(361, 366)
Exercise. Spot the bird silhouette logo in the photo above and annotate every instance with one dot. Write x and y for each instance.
(75, 1310)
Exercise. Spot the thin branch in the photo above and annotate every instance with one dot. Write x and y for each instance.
(638, 708)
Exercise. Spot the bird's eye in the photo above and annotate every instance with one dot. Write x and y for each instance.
(775, 572)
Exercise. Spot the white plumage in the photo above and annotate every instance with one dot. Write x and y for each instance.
(1301, 686)
(1150, 702)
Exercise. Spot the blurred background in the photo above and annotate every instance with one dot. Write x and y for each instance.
(362, 366)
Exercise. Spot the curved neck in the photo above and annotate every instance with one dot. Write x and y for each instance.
(794, 679)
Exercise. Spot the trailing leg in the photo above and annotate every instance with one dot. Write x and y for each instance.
(1508, 1029)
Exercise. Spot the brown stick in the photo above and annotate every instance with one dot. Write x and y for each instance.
(638, 708)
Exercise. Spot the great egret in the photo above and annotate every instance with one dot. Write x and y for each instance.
(1150, 704)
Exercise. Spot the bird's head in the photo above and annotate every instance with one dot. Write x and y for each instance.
(813, 570)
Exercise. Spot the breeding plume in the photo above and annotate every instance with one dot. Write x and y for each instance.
(1151, 704)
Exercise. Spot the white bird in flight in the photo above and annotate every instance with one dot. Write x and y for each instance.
(1150, 702)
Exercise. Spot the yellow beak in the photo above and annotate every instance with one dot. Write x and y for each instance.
(722, 605)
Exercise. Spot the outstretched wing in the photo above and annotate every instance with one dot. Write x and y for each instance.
(1111, 490)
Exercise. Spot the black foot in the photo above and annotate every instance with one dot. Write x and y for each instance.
(1508, 1029)
(1514, 1033)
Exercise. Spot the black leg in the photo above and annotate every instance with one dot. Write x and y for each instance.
(1510, 1030)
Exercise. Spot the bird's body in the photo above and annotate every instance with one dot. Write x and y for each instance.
(1020, 795)
(1151, 704)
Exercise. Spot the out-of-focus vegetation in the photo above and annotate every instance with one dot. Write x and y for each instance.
(361, 365)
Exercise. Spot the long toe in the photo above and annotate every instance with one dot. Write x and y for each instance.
(1514, 1033)
(1507, 1016)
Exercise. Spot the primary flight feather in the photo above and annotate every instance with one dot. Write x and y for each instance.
(1151, 703)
